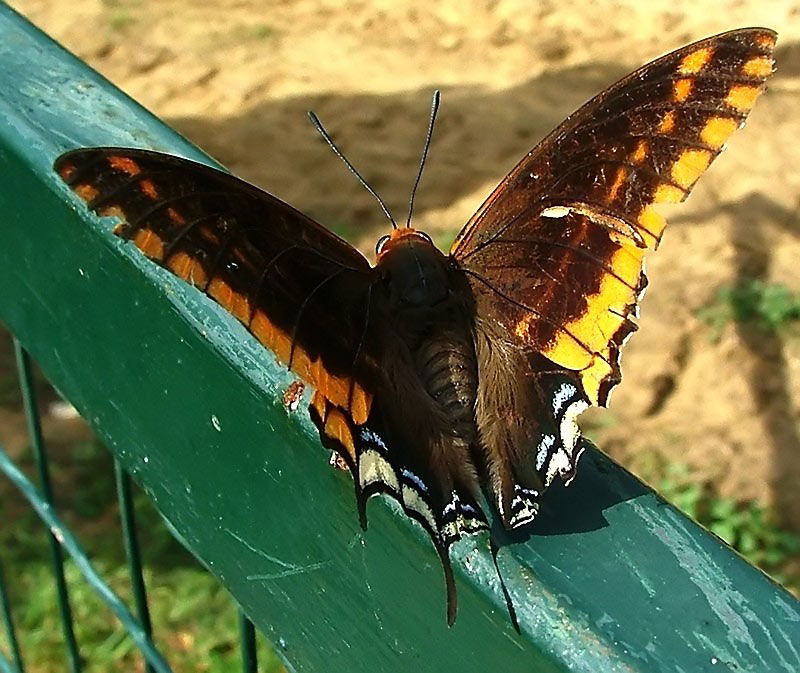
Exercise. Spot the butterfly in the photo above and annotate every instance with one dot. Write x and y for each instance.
(452, 382)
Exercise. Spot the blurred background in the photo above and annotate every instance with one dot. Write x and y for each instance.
(708, 408)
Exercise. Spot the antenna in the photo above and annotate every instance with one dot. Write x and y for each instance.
(434, 110)
(321, 130)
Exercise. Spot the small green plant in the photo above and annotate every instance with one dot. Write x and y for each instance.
(769, 306)
(677, 487)
(195, 620)
(262, 31)
(119, 20)
(750, 528)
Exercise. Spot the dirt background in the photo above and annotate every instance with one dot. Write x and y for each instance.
(236, 77)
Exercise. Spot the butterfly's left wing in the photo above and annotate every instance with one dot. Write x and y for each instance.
(554, 256)
(303, 292)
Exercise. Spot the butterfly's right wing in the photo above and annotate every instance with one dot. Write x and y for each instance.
(301, 290)
(555, 254)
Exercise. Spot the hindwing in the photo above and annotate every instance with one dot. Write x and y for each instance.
(379, 464)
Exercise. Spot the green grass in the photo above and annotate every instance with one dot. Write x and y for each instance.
(771, 307)
(195, 620)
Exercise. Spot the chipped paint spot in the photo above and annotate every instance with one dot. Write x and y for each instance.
(292, 395)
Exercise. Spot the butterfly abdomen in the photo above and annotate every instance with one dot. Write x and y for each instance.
(449, 373)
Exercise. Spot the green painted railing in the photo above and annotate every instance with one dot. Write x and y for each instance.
(612, 578)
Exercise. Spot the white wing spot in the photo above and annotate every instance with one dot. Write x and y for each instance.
(413, 501)
(527, 511)
(408, 474)
(373, 438)
(558, 463)
(564, 392)
(575, 458)
(556, 211)
(569, 425)
(544, 448)
(451, 506)
(372, 467)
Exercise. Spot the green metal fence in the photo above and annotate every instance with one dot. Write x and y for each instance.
(41, 500)
(613, 578)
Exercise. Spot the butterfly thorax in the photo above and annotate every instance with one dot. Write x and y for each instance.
(423, 292)
(413, 270)
(431, 313)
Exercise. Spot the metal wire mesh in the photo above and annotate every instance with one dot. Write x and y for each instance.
(11, 633)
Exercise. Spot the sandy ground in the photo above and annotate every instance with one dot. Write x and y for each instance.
(236, 77)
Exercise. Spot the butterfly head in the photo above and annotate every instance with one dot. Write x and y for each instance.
(413, 269)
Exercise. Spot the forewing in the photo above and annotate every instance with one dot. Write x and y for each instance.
(302, 291)
(555, 253)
